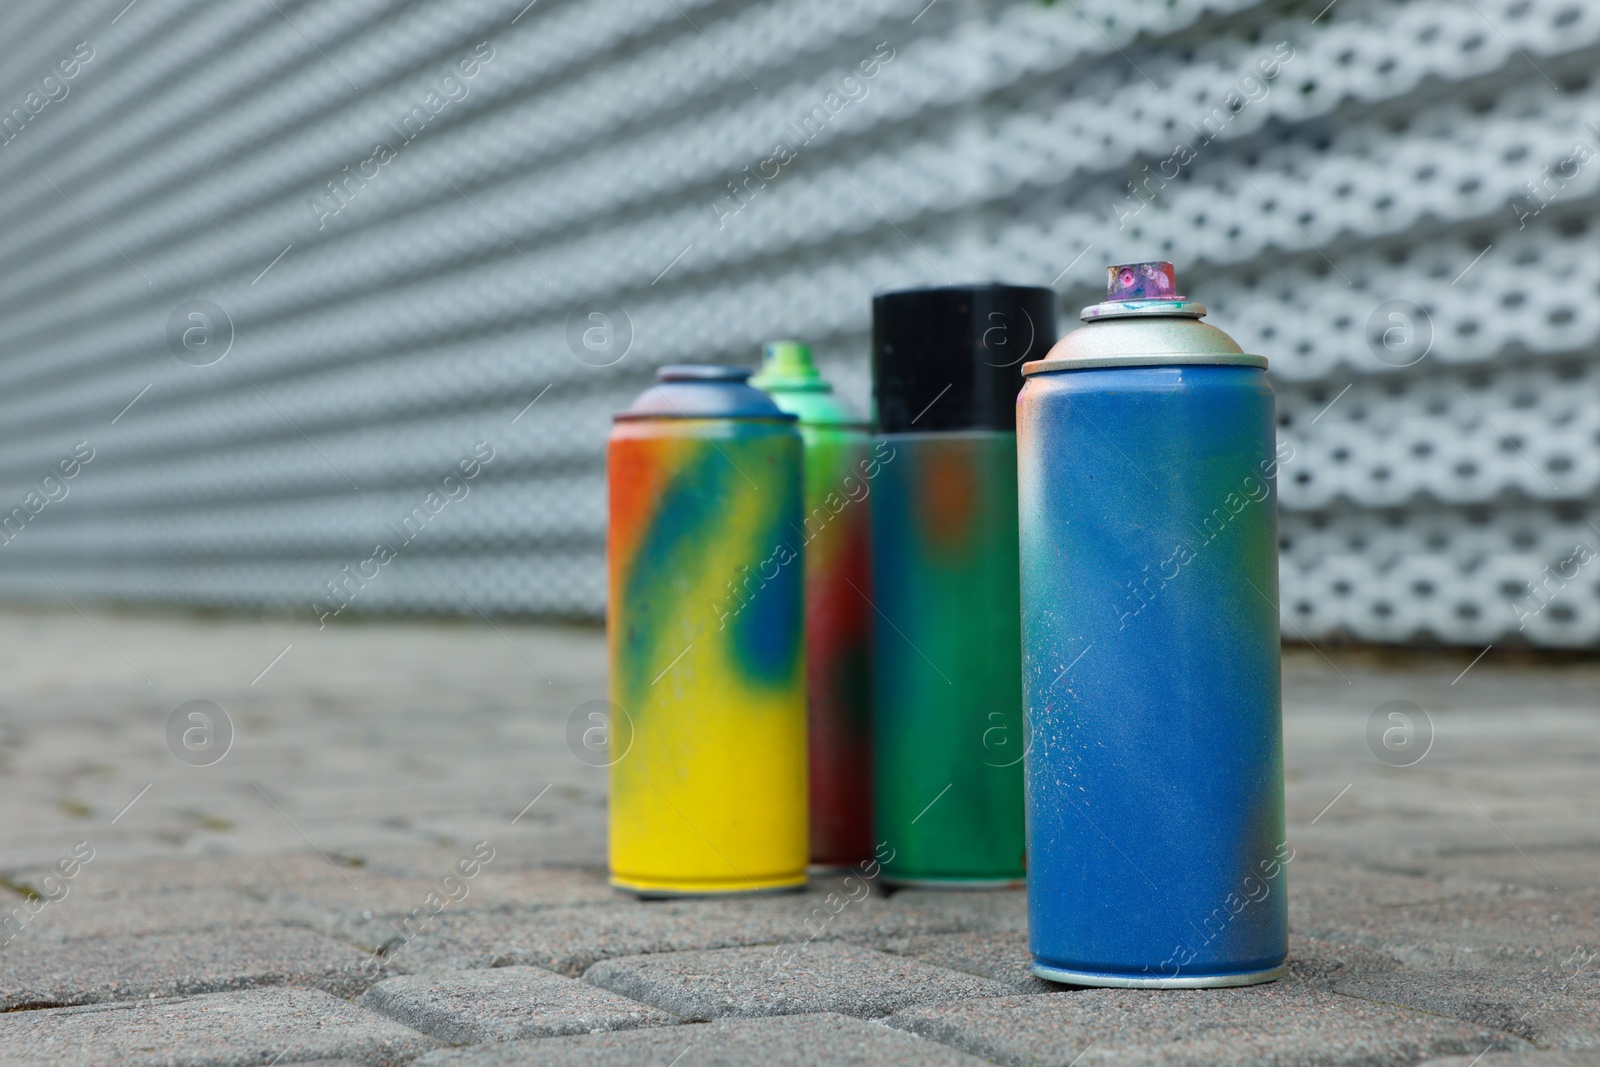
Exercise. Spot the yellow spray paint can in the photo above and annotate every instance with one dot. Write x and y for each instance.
(706, 634)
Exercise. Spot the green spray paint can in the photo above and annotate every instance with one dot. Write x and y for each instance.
(947, 664)
(839, 472)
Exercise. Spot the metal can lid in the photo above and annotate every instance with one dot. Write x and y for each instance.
(950, 358)
(1144, 321)
(703, 391)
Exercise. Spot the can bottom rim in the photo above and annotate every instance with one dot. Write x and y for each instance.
(953, 883)
(1128, 981)
(743, 887)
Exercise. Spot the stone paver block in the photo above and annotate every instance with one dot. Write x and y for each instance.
(1516, 928)
(124, 914)
(1001, 956)
(376, 910)
(1264, 1026)
(1321, 877)
(57, 973)
(571, 938)
(504, 1003)
(786, 980)
(1569, 864)
(1559, 1009)
(568, 940)
(968, 909)
(822, 1040)
(253, 1027)
(1319, 964)
(253, 876)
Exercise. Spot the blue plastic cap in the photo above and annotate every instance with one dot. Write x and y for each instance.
(703, 391)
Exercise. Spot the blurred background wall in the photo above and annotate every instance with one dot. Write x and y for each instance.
(275, 275)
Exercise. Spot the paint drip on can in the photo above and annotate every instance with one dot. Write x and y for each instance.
(947, 724)
(1150, 649)
(706, 639)
(839, 470)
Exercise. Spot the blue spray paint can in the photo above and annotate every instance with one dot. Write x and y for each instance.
(1154, 773)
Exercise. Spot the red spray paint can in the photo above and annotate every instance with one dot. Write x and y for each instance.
(839, 467)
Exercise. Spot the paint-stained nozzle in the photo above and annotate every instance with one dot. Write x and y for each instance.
(1142, 281)
(1142, 290)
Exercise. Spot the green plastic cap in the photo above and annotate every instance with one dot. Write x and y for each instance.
(787, 367)
(790, 377)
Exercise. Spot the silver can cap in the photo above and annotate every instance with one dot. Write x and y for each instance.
(1144, 321)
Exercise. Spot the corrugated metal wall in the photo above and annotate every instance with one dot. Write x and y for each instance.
(395, 223)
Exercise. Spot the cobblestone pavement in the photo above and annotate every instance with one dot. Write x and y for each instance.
(397, 858)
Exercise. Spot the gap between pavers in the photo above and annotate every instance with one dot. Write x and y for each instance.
(1263, 1026)
(785, 1041)
(503, 1003)
(256, 1026)
(785, 980)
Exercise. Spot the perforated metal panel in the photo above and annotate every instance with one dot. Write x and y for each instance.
(1391, 200)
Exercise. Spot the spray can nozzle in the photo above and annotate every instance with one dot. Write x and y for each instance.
(1142, 281)
(1144, 321)
(1143, 290)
